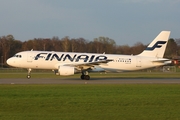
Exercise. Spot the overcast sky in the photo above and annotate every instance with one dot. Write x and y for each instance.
(125, 21)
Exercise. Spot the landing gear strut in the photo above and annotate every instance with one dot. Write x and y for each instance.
(29, 73)
(85, 75)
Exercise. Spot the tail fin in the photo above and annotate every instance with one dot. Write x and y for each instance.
(157, 47)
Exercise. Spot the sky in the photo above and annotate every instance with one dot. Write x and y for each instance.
(125, 21)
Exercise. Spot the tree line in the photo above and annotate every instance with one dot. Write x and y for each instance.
(9, 46)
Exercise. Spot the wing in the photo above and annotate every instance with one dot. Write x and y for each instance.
(90, 65)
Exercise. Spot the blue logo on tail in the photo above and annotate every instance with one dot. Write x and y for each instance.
(158, 44)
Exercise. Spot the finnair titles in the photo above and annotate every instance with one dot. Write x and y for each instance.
(72, 58)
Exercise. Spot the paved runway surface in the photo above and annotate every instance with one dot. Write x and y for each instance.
(93, 81)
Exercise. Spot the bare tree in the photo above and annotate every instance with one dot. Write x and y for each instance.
(66, 44)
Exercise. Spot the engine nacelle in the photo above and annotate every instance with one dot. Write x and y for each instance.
(66, 70)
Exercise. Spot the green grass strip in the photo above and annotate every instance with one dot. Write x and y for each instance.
(90, 102)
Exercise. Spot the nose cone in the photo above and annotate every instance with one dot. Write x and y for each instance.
(10, 62)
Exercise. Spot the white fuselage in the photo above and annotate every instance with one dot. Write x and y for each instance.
(51, 60)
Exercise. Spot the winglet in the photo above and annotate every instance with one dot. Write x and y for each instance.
(157, 47)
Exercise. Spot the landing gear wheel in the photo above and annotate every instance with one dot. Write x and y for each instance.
(86, 77)
(28, 76)
(82, 77)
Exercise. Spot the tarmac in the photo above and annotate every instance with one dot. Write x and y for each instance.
(92, 81)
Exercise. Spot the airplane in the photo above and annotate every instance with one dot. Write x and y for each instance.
(69, 63)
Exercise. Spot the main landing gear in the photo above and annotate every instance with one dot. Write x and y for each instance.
(85, 75)
(29, 73)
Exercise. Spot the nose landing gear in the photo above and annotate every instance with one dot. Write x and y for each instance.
(29, 73)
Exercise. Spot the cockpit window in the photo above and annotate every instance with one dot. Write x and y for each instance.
(18, 56)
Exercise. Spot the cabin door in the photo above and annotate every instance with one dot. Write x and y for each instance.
(29, 57)
(138, 62)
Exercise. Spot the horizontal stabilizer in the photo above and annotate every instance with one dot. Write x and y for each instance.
(162, 61)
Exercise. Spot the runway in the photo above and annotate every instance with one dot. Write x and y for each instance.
(93, 81)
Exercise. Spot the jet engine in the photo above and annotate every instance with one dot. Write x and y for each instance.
(66, 70)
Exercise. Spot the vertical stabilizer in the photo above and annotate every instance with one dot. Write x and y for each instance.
(158, 46)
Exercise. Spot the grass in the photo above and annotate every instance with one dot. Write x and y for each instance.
(79, 102)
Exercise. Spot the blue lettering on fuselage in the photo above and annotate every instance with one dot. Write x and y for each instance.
(40, 55)
(82, 57)
(49, 55)
(69, 57)
(101, 57)
(56, 56)
(92, 57)
(72, 58)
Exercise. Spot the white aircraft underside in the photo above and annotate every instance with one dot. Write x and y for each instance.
(68, 63)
